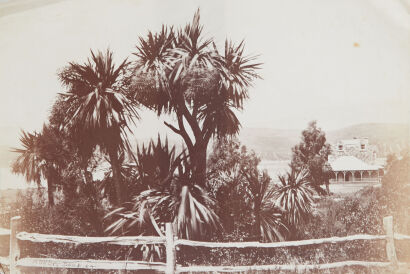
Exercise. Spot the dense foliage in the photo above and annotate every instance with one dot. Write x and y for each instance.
(294, 195)
(101, 110)
(311, 154)
(244, 194)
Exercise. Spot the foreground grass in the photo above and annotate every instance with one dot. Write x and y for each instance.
(337, 215)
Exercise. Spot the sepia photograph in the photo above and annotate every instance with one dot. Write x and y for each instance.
(204, 136)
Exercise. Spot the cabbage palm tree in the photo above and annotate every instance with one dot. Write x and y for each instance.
(270, 223)
(180, 72)
(29, 162)
(40, 158)
(170, 196)
(101, 111)
(295, 196)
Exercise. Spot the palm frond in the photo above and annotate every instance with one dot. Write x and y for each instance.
(295, 196)
(270, 217)
(173, 197)
(29, 162)
(237, 72)
(97, 99)
(218, 118)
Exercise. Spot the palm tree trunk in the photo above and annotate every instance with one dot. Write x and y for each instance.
(50, 192)
(256, 211)
(257, 227)
(51, 177)
(201, 167)
(199, 162)
(116, 174)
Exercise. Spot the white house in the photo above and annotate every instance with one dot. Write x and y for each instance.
(355, 160)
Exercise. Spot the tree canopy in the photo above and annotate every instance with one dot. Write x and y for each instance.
(312, 154)
(182, 73)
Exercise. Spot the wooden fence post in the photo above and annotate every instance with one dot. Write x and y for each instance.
(170, 249)
(14, 247)
(390, 249)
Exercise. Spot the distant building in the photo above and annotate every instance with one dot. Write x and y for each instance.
(355, 160)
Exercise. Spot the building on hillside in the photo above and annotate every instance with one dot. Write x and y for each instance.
(355, 160)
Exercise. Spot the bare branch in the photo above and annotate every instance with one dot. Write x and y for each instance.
(174, 129)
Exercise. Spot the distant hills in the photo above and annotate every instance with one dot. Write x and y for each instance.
(276, 144)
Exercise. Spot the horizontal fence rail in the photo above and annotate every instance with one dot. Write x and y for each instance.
(296, 268)
(4, 232)
(66, 239)
(280, 244)
(401, 237)
(15, 263)
(4, 260)
(90, 264)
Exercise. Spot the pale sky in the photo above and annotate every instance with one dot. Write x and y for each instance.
(339, 62)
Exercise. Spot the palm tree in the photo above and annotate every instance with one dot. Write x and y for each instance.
(101, 111)
(295, 196)
(182, 73)
(270, 223)
(170, 196)
(40, 158)
(29, 163)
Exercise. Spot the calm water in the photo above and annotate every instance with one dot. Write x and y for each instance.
(10, 180)
(274, 168)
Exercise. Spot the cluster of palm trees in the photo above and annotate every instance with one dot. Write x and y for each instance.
(176, 73)
(250, 202)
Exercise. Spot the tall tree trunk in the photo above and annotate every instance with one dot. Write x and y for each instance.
(257, 228)
(90, 191)
(199, 162)
(50, 192)
(51, 177)
(116, 174)
(95, 216)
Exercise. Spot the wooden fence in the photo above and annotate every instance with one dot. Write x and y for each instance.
(15, 263)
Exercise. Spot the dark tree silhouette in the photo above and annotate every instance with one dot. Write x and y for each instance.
(180, 73)
(101, 111)
(312, 154)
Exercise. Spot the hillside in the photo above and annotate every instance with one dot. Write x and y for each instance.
(389, 138)
(270, 144)
(275, 144)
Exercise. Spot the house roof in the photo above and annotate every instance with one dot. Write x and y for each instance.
(345, 163)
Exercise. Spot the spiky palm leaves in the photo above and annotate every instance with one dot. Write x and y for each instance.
(170, 196)
(41, 156)
(153, 166)
(186, 69)
(101, 111)
(182, 73)
(30, 161)
(155, 163)
(295, 196)
(189, 207)
(270, 221)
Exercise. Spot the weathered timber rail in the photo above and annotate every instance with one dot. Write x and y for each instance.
(15, 263)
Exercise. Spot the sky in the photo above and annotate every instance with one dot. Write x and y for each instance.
(338, 62)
